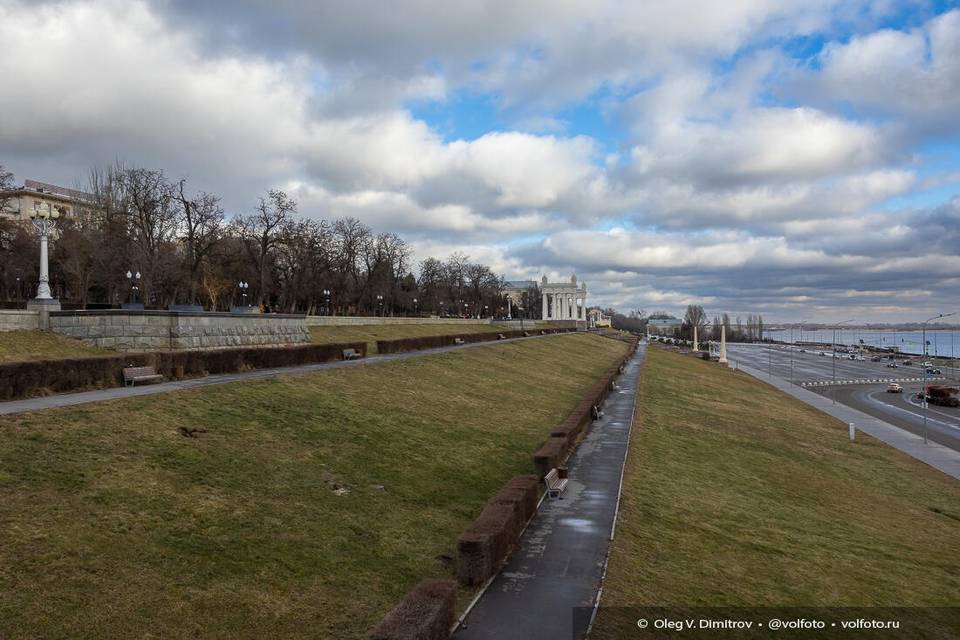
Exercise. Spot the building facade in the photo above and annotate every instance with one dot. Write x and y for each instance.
(33, 195)
(663, 326)
(517, 293)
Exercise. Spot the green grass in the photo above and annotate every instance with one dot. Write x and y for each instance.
(371, 333)
(16, 346)
(114, 525)
(738, 495)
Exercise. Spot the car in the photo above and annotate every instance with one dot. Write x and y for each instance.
(803, 350)
(876, 359)
(894, 387)
(892, 365)
(926, 364)
(907, 363)
(822, 353)
(861, 359)
(933, 371)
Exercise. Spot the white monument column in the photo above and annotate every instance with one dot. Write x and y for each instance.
(723, 344)
(696, 344)
(543, 311)
(570, 309)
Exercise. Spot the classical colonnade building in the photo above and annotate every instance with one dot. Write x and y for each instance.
(564, 300)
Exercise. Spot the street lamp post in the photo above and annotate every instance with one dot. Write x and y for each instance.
(326, 301)
(416, 307)
(923, 390)
(134, 280)
(802, 322)
(833, 356)
(380, 304)
(243, 286)
(43, 221)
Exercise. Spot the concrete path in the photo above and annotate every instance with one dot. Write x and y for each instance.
(548, 589)
(113, 393)
(933, 454)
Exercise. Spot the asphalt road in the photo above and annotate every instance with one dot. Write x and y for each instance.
(855, 387)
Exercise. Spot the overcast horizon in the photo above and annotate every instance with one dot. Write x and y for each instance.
(800, 160)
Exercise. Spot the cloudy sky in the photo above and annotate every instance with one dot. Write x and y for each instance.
(795, 158)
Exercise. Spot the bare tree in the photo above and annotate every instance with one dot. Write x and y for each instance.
(350, 237)
(6, 184)
(201, 228)
(261, 232)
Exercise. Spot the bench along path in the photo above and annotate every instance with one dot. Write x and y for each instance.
(549, 587)
(113, 393)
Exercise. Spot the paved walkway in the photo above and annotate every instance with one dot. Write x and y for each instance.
(548, 589)
(113, 393)
(933, 454)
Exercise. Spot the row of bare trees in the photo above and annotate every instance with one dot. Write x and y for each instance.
(736, 329)
(189, 251)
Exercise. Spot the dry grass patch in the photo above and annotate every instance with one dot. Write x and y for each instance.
(18, 346)
(114, 525)
(374, 332)
(738, 495)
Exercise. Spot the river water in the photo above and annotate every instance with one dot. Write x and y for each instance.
(940, 343)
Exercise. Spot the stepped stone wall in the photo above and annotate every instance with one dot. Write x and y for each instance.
(127, 330)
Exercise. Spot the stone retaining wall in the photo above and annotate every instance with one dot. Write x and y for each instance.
(17, 320)
(354, 321)
(128, 330)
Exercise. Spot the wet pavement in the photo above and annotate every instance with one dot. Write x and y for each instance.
(550, 585)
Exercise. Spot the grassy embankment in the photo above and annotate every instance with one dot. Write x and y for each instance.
(372, 333)
(17, 346)
(737, 495)
(112, 524)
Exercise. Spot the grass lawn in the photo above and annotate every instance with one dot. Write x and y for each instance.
(738, 495)
(17, 346)
(114, 525)
(372, 333)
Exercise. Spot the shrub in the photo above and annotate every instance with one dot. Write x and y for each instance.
(39, 377)
(425, 613)
(486, 543)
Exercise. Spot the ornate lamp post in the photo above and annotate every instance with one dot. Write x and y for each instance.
(416, 307)
(326, 301)
(923, 390)
(43, 221)
(380, 304)
(243, 286)
(134, 279)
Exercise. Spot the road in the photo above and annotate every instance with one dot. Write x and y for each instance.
(856, 387)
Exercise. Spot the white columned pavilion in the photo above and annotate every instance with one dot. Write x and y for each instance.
(563, 300)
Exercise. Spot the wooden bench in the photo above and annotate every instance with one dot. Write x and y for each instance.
(350, 354)
(555, 484)
(133, 375)
(458, 341)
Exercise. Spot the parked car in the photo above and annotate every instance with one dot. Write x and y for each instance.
(933, 371)
(907, 363)
(926, 364)
(876, 359)
(892, 365)
(822, 353)
(894, 387)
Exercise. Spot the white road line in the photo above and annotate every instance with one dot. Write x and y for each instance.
(907, 411)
